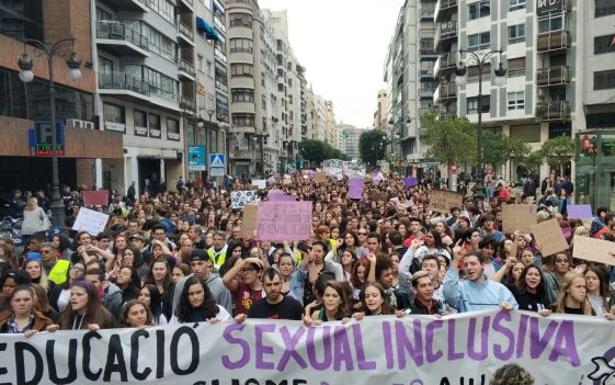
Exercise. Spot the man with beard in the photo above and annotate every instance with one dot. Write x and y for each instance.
(275, 305)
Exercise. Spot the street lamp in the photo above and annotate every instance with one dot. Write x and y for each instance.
(472, 58)
(26, 75)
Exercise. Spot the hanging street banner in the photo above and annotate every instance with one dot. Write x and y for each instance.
(460, 349)
(196, 158)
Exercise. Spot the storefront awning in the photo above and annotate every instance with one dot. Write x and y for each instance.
(206, 28)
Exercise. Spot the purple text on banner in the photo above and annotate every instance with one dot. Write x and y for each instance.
(280, 196)
(284, 221)
(579, 211)
(411, 181)
(355, 188)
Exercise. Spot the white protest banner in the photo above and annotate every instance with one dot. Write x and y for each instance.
(353, 169)
(90, 221)
(333, 167)
(284, 221)
(260, 184)
(421, 350)
(241, 198)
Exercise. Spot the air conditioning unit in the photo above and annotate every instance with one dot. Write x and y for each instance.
(80, 123)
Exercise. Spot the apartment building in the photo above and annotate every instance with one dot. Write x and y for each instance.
(380, 115)
(25, 110)
(559, 79)
(332, 136)
(409, 77)
(350, 138)
(145, 53)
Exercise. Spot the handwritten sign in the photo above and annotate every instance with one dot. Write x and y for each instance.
(442, 201)
(549, 235)
(284, 221)
(594, 250)
(465, 348)
(248, 221)
(518, 217)
(579, 211)
(95, 198)
(355, 188)
(260, 184)
(91, 221)
(241, 198)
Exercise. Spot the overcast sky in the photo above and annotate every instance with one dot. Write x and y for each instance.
(342, 44)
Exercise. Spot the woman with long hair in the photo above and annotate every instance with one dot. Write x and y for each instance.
(573, 297)
(373, 301)
(37, 273)
(286, 267)
(129, 283)
(61, 245)
(335, 305)
(41, 302)
(196, 304)
(60, 295)
(151, 297)
(358, 278)
(136, 314)
(35, 219)
(347, 260)
(9, 280)
(85, 310)
(597, 284)
(23, 317)
(132, 257)
(530, 291)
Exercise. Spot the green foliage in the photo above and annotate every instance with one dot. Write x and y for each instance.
(449, 140)
(557, 151)
(317, 151)
(372, 145)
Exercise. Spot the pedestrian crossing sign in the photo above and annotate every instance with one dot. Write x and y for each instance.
(216, 164)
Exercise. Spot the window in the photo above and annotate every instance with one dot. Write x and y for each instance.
(473, 104)
(163, 7)
(140, 118)
(513, 5)
(604, 80)
(242, 95)
(479, 9)
(154, 125)
(241, 45)
(605, 7)
(161, 85)
(173, 129)
(516, 33)
(210, 69)
(243, 120)
(516, 101)
(114, 117)
(552, 22)
(158, 43)
(241, 69)
(240, 20)
(516, 67)
(199, 62)
(604, 44)
(479, 41)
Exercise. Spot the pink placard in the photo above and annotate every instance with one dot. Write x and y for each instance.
(95, 198)
(284, 221)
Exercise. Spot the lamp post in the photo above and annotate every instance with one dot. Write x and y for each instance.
(26, 75)
(473, 58)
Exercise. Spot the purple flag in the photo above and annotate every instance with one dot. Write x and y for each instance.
(355, 188)
(410, 181)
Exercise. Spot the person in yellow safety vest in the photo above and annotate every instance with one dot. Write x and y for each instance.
(217, 252)
(56, 268)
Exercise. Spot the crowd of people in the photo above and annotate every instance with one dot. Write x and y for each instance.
(180, 256)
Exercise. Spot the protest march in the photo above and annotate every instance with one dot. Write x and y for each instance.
(323, 277)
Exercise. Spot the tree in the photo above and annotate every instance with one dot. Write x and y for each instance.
(372, 144)
(316, 151)
(558, 151)
(496, 148)
(450, 140)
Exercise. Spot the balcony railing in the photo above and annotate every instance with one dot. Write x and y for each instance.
(443, 7)
(115, 30)
(186, 66)
(447, 90)
(553, 76)
(553, 110)
(116, 80)
(186, 30)
(187, 103)
(553, 41)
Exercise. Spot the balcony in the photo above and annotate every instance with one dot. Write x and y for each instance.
(186, 68)
(444, 8)
(186, 33)
(553, 76)
(185, 6)
(426, 92)
(126, 5)
(445, 33)
(122, 83)
(553, 110)
(445, 63)
(426, 74)
(426, 14)
(187, 103)
(446, 91)
(120, 39)
(553, 41)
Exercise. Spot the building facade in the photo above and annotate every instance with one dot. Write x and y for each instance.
(350, 140)
(380, 115)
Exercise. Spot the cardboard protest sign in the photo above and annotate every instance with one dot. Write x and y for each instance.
(260, 184)
(549, 235)
(241, 198)
(465, 348)
(518, 217)
(594, 250)
(355, 188)
(248, 221)
(320, 177)
(579, 211)
(95, 198)
(284, 221)
(90, 221)
(442, 201)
